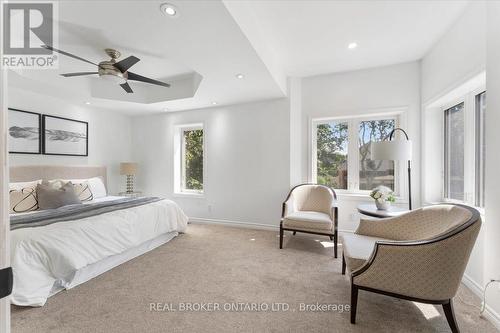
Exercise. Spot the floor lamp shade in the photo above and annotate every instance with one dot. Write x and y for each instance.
(395, 150)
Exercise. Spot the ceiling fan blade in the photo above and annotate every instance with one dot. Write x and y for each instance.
(125, 64)
(78, 74)
(137, 77)
(68, 54)
(126, 87)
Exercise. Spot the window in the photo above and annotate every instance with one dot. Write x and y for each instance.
(374, 173)
(464, 149)
(331, 140)
(454, 139)
(480, 108)
(189, 159)
(341, 153)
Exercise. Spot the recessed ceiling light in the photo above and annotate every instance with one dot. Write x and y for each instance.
(240, 76)
(214, 103)
(352, 45)
(88, 103)
(169, 10)
(165, 109)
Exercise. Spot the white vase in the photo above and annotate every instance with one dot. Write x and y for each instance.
(384, 205)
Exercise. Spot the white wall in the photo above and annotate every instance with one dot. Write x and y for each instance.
(459, 56)
(109, 134)
(357, 93)
(492, 195)
(247, 160)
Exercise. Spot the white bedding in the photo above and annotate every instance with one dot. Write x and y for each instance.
(45, 255)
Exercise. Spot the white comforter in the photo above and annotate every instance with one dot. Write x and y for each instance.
(43, 255)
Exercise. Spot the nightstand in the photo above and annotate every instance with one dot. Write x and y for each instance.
(134, 194)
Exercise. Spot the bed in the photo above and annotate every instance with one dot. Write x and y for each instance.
(51, 257)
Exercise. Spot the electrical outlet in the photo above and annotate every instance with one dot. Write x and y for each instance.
(209, 208)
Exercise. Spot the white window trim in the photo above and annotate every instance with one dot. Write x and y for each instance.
(470, 129)
(400, 173)
(179, 161)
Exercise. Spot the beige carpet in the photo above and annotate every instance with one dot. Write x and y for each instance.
(227, 265)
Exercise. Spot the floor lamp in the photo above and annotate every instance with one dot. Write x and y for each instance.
(395, 150)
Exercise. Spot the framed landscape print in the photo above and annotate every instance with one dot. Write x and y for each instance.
(24, 132)
(63, 136)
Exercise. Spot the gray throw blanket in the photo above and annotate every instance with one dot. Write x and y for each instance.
(75, 212)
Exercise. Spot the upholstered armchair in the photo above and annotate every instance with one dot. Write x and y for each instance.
(419, 256)
(310, 208)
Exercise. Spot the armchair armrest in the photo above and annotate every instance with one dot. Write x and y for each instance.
(288, 207)
(334, 214)
(430, 270)
(401, 227)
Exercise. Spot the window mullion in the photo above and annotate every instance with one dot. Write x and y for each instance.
(353, 156)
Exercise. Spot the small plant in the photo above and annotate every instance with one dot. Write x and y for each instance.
(383, 194)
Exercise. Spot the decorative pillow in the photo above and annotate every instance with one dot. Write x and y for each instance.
(22, 196)
(96, 186)
(82, 189)
(50, 197)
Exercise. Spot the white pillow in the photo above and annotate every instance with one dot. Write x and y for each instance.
(95, 184)
(20, 185)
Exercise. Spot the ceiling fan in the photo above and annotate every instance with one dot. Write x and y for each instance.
(112, 70)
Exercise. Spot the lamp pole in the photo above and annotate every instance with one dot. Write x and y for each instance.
(409, 163)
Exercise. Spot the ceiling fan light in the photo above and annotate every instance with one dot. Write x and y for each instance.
(114, 78)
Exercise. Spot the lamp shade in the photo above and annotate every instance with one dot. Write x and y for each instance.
(395, 150)
(128, 168)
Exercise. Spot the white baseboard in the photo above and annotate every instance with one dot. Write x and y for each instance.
(232, 223)
(478, 289)
(241, 224)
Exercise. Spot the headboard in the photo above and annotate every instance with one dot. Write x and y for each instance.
(27, 173)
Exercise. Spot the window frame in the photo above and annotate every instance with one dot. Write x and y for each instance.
(353, 167)
(445, 187)
(180, 162)
(470, 135)
(479, 141)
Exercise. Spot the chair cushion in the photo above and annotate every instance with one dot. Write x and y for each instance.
(357, 249)
(309, 220)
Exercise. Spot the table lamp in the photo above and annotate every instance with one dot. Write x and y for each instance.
(129, 169)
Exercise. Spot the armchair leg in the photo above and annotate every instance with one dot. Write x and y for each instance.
(281, 235)
(343, 264)
(294, 233)
(354, 302)
(450, 316)
(335, 239)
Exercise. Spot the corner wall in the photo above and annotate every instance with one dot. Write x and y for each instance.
(363, 92)
(247, 161)
(492, 221)
(466, 50)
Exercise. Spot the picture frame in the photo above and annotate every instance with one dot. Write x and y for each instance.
(25, 132)
(64, 136)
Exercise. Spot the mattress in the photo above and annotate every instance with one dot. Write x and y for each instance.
(60, 256)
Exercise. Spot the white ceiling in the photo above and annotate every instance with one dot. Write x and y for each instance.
(204, 39)
(311, 37)
(265, 40)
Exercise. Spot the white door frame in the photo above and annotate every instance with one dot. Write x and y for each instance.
(4, 180)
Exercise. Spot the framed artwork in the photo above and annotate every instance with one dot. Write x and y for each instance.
(63, 136)
(25, 132)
